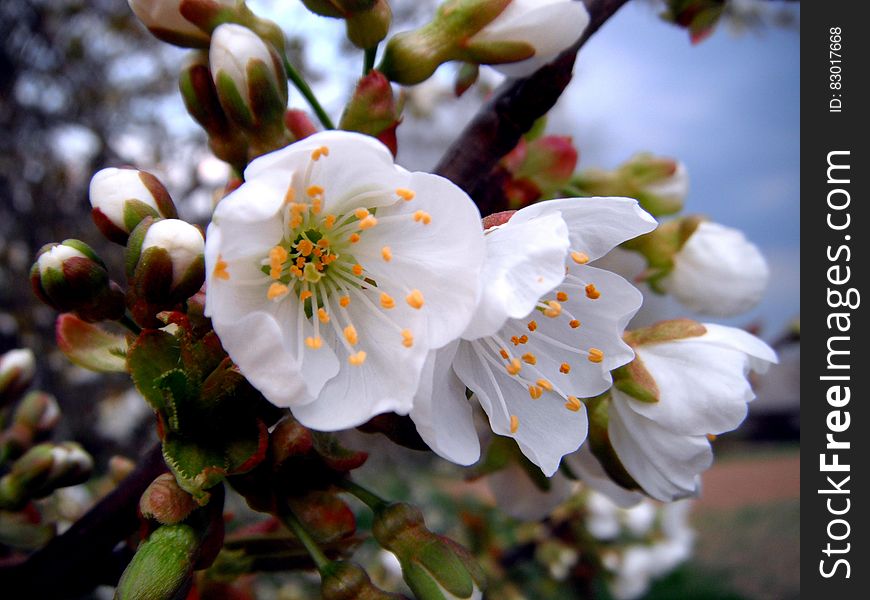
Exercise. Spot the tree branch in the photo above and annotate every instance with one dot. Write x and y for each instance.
(80, 559)
(510, 113)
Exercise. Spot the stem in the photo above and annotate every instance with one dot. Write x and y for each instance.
(306, 92)
(372, 500)
(130, 324)
(369, 64)
(321, 561)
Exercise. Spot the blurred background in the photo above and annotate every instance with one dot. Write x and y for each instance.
(83, 86)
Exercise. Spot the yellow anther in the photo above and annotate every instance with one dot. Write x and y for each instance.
(514, 366)
(361, 213)
(595, 355)
(422, 216)
(276, 290)
(579, 257)
(277, 256)
(387, 301)
(504, 353)
(405, 194)
(353, 238)
(573, 404)
(357, 359)
(350, 335)
(314, 190)
(515, 423)
(515, 340)
(314, 342)
(543, 383)
(295, 221)
(369, 222)
(323, 243)
(290, 196)
(305, 295)
(532, 325)
(712, 437)
(329, 221)
(554, 310)
(524, 339)
(574, 323)
(304, 247)
(319, 152)
(357, 270)
(323, 315)
(565, 368)
(316, 205)
(561, 296)
(386, 253)
(344, 301)
(530, 358)
(407, 338)
(535, 392)
(296, 271)
(592, 293)
(324, 150)
(415, 299)
(220, 269)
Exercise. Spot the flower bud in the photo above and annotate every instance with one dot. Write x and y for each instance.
(70, 277)
(372, 110)
(348, 581)
(164, 20)
(162, 565)
(289, 439)
(17, 368)
(539, 168)
(367, 28)
(250, 80)
(433, 566)
(35, 417)
(121, 198)
(339, 9)
(299, 123)
(717, 272)
(201, 100)
(165, 264)
(43, 469)
(165, 501)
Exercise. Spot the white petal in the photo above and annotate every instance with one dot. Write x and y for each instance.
(702, 381)
(442, 260)
(518, 496)
(586, 466)
(718, 272)
(523, 261)
(664, 463)
(250, 221)
(596, 225)
(441, 412)
(761, 355)
(546, 429)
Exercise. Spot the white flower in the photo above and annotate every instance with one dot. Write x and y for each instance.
(718, 272)
(702, 389)
(547, 331)
(181, 240)
(332, 272)
(519, 497)
(549, 26)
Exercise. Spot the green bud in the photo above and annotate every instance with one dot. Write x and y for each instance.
(35, 417)
(70, 277)
(373, 110)
(348, 581)
(366, 28)
(162, 567)
(659, 247)
(17, 368)
(41, 470)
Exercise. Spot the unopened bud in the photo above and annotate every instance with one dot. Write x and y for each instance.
(70, 277)
(367, 28)
(162, 566)
(164, 20)
(17, 368)
(372, 110)
(433, 566)
(41, 470)
(121, 198)
(348, 581)
(289, 439)
(251, 82)
(165, 501)
(299, 123)
(201, 100)
(34, 418)
(539, 168)
(339, 9)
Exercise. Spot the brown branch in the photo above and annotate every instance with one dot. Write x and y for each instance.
(510, 113)
(81, 558)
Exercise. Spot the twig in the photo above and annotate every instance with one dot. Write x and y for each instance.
(511, 112)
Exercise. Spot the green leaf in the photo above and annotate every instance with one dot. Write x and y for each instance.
(90, 346)
(152, 354)
(196, 466)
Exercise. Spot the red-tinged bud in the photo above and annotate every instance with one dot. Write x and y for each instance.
(251, 85)
(373, 110)
(17, 368)
(70, 277)
(121, 198)
(201, 100)
(496, 219)
(466, 77)
(299, 123)
(348, 581)
(433, 566)
(539, 168)
(289, 439)
(165, 501)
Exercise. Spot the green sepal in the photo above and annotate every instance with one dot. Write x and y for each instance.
(493, 53)
(232, 101)
(162, 566)
(152, 354)
(90, 346)
(135, 211)
(597, 410)
(664, 331)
